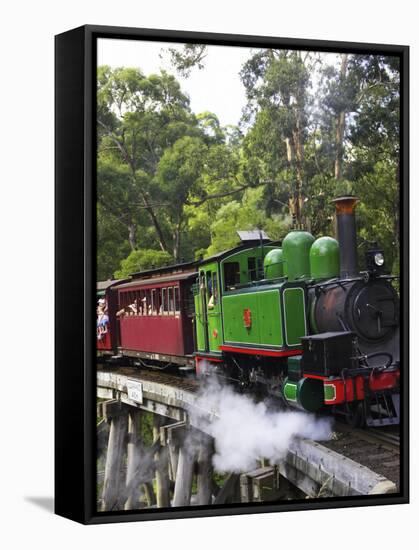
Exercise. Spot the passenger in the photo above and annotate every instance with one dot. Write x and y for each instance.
(212, 296)
(133, 308)
(102, 322)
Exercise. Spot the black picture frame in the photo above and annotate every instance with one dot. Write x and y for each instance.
(75, 284)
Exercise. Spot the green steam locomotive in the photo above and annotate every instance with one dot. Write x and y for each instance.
(302, 322)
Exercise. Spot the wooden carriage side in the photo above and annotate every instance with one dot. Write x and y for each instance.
(155, 317)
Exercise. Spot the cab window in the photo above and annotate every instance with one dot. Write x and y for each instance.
(231, 274)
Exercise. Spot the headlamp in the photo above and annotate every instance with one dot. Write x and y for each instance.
(374, 259)
(379, 259)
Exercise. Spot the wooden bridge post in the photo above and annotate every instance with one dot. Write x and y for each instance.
(149, 494)
(162, 466)
(205, 471)
(184, 476)
(133, 456)
(113, 484)
(173, 443)
(173, 452)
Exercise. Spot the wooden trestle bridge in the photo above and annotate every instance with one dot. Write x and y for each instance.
(164, 474)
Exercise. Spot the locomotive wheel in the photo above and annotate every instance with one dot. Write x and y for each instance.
(355, 415)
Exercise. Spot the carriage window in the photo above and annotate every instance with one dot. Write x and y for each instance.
(158, 301)
(128, 302)
(251, 269)
(177, 300)
(145, 300)
(121, 300)
(163, 307)
(138, 302)
(170, 300)
(149, 308)
(154, 302)
(261, 273)
(231, 274)
(132, 306)
(214, 288)
(209, 285)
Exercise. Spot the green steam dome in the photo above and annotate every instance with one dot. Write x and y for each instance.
(324, 258)
(273, 264)
(296, 250)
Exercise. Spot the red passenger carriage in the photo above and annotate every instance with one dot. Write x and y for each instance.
(156, 315)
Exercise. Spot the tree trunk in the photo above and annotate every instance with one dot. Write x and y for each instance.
(160, 236)
(295, 157)
(149, 209)
(299, 178)
(131, 235)
(176, 241)
(295, 195)
(340, 124)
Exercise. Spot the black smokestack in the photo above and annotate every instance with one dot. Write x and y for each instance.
(345, 214)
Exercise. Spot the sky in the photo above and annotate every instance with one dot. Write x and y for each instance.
(216, 88)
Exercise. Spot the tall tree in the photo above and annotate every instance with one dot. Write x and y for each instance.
(157, 160)
(375, 137)
(190, 56)
(138, 118)
(276, 83)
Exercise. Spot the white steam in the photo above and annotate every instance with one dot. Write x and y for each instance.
(245, 431)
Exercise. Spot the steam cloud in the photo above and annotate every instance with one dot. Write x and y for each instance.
(245, 431)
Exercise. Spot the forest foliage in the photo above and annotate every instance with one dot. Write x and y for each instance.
(174, 185)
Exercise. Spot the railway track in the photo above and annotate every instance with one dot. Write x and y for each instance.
(376, 448)
(387, 437)
(391, 438)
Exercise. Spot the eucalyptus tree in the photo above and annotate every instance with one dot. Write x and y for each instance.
(138, 118)
(157, 161)
(277, 83)
(375, 138)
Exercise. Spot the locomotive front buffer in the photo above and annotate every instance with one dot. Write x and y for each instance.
(332, 373)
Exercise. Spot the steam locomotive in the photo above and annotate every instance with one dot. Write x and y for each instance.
(298, 322)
